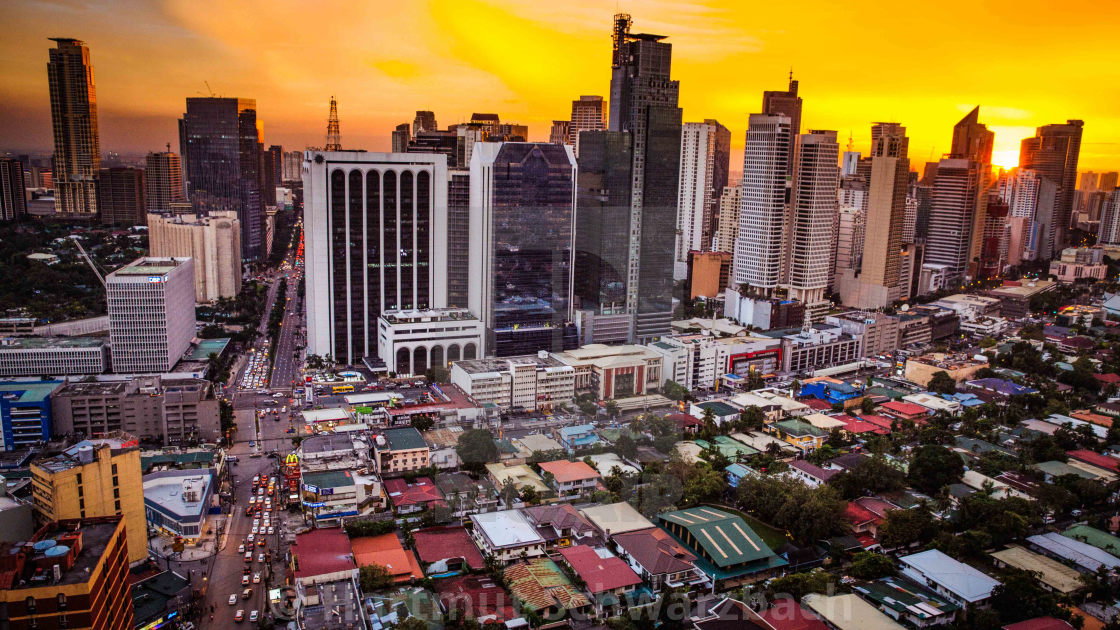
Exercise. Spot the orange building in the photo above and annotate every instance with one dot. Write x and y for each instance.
(387, 551)
(708, 273)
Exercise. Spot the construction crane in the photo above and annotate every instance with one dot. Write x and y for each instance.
(89, 260)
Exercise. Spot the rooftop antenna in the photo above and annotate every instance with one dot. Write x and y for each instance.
(334, 138)
(209, 92)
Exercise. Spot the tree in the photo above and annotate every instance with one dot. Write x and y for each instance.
(412, 623)
(675, 391)
(751, 418)
(870, 474)
(611, 407)
(868, 565)
(933, 467)
(374, 577)
(476, 447)
(709, 420)
(902, 528)
(530, 495)
(702, 484)
(942, 383)
(867, 405)
(626, 446)
(509, 492)
(358, 529)
(422, 422)
(798, 585)
(1020, 597)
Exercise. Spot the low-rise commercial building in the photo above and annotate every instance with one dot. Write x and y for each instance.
(1053, 575)
(878, 330)
(609, 372)
(506, 535)
(401, 450)
(412, 341)
(25, 413)
(53, 356)
(697, 361)
(178, 501)
(1015, 296)
(522, 383)
(808, 351)
(959, 367)
(968, 306)
(328, 496)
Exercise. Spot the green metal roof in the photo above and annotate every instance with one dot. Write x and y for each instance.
(1095, 537)
(329, 478)
(799, 427)
(404, 439)
(724, 538)
(719, 408)
(31, 391)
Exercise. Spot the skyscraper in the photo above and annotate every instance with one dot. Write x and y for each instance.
(273, 172)
(1109, 233)
(559, 132)
(644, 103)
(588, 114)
(151, 314)
(786, 103)
(220, 143)
(729, 208)
(401, 136)
(163, 180)
(13, 196)
(1053, 153)
(424, 121)
(958, 211)
(765, 193)
(212, 242)
(120, 196)
(814, 215)
(77, 153)
(602, 224)
(705, 156)
(1108, 181)
(522, 203)
(376, 240)
(1087, 182)
(877, 281)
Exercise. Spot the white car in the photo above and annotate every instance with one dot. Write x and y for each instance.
(254, 530)
(244, 580)
(233, 599)
(253, 616)
(241, 548)
(271, 530)
(250, 538)
(256, 578)
(260, 557)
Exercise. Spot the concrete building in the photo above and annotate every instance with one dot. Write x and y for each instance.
(878, 330)
(1079, 263)
(155, 409)
(699, 360)
(120, 196)
(376, 228)
(13, 190)
(761, 246)
(410, 342)
(88, 587)
(968, 306)
(730, 202)
(398, 451)
(960, 368)
(92, 478)
(57, 356)
(809, 245)
(609, 372)
(77, 151)
(588, 114)
(522, 383)
(1053, 153)
(25, 413)
(1015, 296)
(877, 282)
(506, 535)
(163, 184)
(212, 242)
(151, 314)
(709, 274)
(816, 350)
(960, 583)
(705, 152)
(178, 501)
(522, 203)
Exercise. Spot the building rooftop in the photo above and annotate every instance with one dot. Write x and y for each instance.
(725, 537)
(387, 551)
(1079, 553)
(96, 533)
(482, 366)
(958, 578)
(564, 471)
(441, 543)
(328, 478)
(420, 492)
(599, 569)
(149, 266)
(150, 597)
(1022, 289)
(656, 550)
(72, 456)
(322, 551)
(615, 518)
(1050, 572)
(39, 343)
(205, 347)
(507, 528)
(539, 584)
(403, 439)
(799, 428)
(906, 598)
(849, 612)
(326, 443)
(1095, 537)
(168, 489)
(787, 614)
(28, 391)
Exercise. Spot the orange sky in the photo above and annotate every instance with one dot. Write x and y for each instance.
(1026, 63)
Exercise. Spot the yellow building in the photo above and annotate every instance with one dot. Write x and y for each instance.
(99, 477)
(959, 367)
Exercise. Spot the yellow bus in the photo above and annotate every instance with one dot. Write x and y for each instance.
(342, 389)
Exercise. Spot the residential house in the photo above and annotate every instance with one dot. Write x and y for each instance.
(608, 579)
(559, 524)
(848, 612)
(810, 474)
(904, 411)
(661, 561)
(417, 496)
(521, 475)
(577, 437)
(800, 434)
(962, 584)
(387, 551)
(615, 518)
(570, 480)
(907, 602)
(400, 450)
(445, 549)
(1082, 556)
(539, 586)
(507, 536)
(1051, 574)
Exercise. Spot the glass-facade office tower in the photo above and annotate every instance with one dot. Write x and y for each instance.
(522, 204)
(765, 193)
(163, 180)
(219, 139)
(1053, 154)
(643, 102)
(13, 196)
(77, 153)
(375, 240)
(120, 196)
(602, 223)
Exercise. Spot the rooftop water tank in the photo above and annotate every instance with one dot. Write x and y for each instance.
(57, 551)
(43, 545)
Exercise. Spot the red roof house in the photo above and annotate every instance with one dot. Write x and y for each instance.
(787, 614)
(453, 544)
(322, 552)
(413, 497)
(901, 410)
(1095, 459)
(601, 572)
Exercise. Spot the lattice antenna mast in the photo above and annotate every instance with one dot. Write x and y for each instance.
(334, 138)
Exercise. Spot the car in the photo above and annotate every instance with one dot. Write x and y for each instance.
(241, 548)
(256, 522)
(232, 599)
(251, 444)
(256, 578)
(251, 538)
(248, 556)
(253, 615)
(260, 557)
(271, 530)
(260, 543)
(253, 531)
(244, 580)
(247, 593)
(239, 616)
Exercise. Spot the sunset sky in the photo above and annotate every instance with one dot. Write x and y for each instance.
(1026, 63)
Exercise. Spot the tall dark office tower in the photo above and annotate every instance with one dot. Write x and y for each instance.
(401, 136)
(220, 144)
(644, 103)
(602, 224)
(120, 195)
(77, 153)
(13, 196)
(458, 237)
(376, 240)
(268, 177)
(788, 104)
(522, 205)
(1053, 153)
(424, 121)
(163, 181)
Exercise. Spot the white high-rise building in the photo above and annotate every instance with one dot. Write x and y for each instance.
(814, 213)
(762, 219)
(589, 113)
(849, 238)
(705, 150)
(151, 314)
(212, 242)
(1109, 233)
(375, 240)
(1030, 197)
(729, 206)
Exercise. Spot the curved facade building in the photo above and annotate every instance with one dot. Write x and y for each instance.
(214, 244)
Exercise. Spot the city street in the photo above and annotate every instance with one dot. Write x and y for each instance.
(290, 345)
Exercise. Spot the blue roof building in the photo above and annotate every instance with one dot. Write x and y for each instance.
(831, 391)
(737, 472)
(579, 436)
(1000, 386)
(25, 413)
(965, 399)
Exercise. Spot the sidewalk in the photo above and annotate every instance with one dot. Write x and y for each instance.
(193, 550)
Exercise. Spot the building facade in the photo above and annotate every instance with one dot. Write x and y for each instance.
(212, 242)
(163, 180)
(376, 240)
(764, 200)
(705, 155)
(60, 356)
(13, 193)
(77, 150)
(151, 313)
(524, 383)
(730, 201)
(810, 244)
(411, 342)
(25, 414)
(589, 113)
(120, 196)
(220, 143)
(1053, 153)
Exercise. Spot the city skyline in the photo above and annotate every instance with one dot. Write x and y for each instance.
(428, 51)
